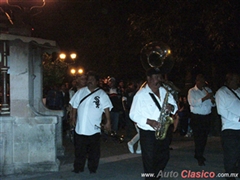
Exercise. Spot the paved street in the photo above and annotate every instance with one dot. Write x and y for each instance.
(117, 163)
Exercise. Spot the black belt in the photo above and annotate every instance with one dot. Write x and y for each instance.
(201, 114)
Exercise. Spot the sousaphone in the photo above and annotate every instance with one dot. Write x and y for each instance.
(157, 55)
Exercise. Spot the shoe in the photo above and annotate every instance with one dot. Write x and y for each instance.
(76, 171)
(92, 172)
(200, 158)
(138, 152)
(130, 147)
(203, 158)
(201, 163)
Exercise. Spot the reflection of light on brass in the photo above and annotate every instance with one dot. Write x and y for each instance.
(80, 71)
(73, 71)
(73, 55)
(169, 51)
(62, 56)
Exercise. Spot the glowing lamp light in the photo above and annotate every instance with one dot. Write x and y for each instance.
(73, 71)
(62, 56)
(73, 55)
(80, 71)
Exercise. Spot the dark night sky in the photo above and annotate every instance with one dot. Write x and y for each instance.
(87, 27)
(98, 30)
(68, 23)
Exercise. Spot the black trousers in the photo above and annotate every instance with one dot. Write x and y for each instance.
(200, 125)
(231, 150)
(155, 153)
(183, 122)
(87, 148)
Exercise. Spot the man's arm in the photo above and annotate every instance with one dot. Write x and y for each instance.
(73, 119)
(107, 126)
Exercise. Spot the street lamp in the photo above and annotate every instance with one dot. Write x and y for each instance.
(75, 71)
(69, 59)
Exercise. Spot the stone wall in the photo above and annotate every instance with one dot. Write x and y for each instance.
(31, 136)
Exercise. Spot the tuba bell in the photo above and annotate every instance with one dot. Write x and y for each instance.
(157, 55)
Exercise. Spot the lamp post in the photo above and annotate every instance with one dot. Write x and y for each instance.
(68, 58)
(76, 71)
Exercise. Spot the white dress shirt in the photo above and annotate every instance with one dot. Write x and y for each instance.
(195, 96)
(228, 106)
(143, 107)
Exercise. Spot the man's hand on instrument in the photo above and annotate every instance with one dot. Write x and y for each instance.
(154, 124)
(169, 108)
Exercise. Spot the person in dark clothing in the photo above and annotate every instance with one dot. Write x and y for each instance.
(184, 114)
(116, 98)
(54, 99)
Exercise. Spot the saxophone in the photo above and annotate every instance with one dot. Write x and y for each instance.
(164, 119)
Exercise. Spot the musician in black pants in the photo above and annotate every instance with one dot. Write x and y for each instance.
(201, 101)
(145, 112)
(228, 106)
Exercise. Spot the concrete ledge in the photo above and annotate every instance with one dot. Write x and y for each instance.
(20, 168)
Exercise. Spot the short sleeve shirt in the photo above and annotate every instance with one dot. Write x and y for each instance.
(89, 112)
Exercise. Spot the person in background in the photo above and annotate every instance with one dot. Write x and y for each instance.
(81, 81)
(54, 99)
(201, 101)
(73, 89)
(89, 103)
(228, 107)
(127, 101)
(145, 112)
(116, 98)
(184, 114)
(65, 95)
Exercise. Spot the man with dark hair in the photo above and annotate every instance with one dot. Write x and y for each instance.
(145, 112)
(228, 107)
(89, 102)
(201, 101)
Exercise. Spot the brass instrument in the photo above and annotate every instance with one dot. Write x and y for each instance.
(164, 119)
(113, 134)
(158, 55)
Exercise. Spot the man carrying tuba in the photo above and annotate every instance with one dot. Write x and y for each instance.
(146, 113)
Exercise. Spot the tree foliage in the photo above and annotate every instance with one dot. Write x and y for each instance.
(54, 70)
(108, 35)
(203, 35)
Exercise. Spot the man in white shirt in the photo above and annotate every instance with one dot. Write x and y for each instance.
(89, 116)
(144, 112)
(201, 101)
(228, 107)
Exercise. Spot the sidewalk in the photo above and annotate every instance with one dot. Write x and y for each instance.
(118, 164)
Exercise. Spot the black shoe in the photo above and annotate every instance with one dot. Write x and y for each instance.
(200, 158)
(92, 172)
(203, 158)
(201, 163)
(77, 171)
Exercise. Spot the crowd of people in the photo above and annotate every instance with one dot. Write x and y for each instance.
(102, 106)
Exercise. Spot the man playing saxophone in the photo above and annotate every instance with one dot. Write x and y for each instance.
(145, 112)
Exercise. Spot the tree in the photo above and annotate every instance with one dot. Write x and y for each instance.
(54, 70)
(203, 35)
